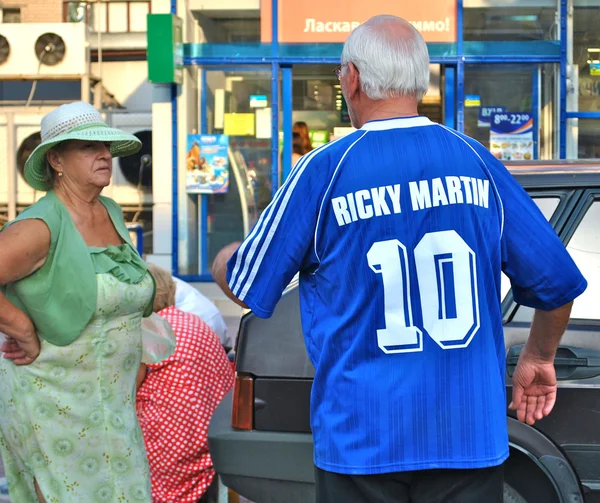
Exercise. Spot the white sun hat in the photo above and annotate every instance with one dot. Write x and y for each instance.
(74, 121)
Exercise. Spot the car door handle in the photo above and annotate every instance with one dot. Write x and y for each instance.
(570, 362)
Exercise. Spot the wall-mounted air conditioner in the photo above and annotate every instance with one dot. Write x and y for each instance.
(38, 50)
(20, 133)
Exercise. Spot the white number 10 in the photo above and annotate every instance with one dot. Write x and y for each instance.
(447, 282)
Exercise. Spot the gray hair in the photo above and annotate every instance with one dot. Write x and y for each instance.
(390, 65)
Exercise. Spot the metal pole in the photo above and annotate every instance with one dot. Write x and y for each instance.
(563, 81)
(175, 178)
(287, 121)
(274, 98)
(460, 69)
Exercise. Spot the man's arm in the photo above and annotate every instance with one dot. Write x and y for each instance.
(534, 380)
(219, 271)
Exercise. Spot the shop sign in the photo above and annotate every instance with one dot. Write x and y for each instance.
(165, 49)
(511, 136)
(315, 21)
(485, 114)
(207, 164)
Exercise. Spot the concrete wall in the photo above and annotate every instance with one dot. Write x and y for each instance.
(128, 82)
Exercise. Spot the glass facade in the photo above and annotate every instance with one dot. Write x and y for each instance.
(486, 56)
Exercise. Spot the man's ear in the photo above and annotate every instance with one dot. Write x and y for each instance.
(354, 85)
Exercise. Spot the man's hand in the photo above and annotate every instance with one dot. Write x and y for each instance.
(534, 380)
(219, 271)
(534, 388)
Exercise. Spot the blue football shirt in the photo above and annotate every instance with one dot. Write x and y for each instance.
(400, 232)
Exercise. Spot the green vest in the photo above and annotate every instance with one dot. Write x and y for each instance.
(60, 297)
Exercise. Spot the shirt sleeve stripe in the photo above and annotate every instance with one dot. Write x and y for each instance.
(253, 240)
(243, 285)
(329, 187)
(262, 221)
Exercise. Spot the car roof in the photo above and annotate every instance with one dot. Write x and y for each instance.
(557, 174)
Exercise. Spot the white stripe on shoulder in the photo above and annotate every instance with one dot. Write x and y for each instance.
(489, 173)
(329, 187)
(263, 220)
(268, 221)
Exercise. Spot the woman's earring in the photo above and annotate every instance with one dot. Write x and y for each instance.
(60, 173)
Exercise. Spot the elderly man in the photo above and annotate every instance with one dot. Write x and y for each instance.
(400, 232)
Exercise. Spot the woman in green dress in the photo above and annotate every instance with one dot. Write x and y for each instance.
(74, 291)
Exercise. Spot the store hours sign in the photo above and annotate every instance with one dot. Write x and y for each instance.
(511, 136)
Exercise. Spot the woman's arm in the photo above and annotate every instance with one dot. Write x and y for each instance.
(24, 248)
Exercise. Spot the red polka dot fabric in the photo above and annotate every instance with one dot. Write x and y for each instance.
(174, 407)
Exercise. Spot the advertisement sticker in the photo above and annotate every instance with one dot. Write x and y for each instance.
(511, 136)
(207, 164)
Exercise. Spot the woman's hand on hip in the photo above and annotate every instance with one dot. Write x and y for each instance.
(21, 353)
(22, 347)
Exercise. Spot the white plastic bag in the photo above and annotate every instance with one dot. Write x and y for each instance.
(158, 339)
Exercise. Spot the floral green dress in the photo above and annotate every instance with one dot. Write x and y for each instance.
(68, 420)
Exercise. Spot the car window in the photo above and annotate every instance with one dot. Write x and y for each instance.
(548, 206)
(584, 247)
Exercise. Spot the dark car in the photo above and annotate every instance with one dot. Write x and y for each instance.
(260, 435)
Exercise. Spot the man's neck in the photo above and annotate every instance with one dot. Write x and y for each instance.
(404, 106)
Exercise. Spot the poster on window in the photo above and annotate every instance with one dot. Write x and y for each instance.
(485, 115)
(511, 136)
(207, 164)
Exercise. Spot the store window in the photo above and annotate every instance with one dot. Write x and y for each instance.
(582, 139)
(502, 20)
(514, 91)
(318, 102)
(586, 53)
(582, 134)
(228, 162)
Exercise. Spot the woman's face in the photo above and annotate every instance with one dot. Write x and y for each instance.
(82, 163)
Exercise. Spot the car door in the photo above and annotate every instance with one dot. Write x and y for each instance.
(575, 421)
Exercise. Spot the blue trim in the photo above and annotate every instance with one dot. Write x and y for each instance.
(274, 97)
(197, 278)
(440, 60)
(543, 51)
(449, 92)
(175, 179)
(287, 121)
(274, 128)
(459, 27)
(535, 108)
(460, 97)
(175, 182)
(139, 237)
(203, 102)
(583, 115)
(562, 131)
(204, 232)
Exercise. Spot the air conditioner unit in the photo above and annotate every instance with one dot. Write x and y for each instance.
(132, 175)
(126, 188)
(39, 50)
(15, 147)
